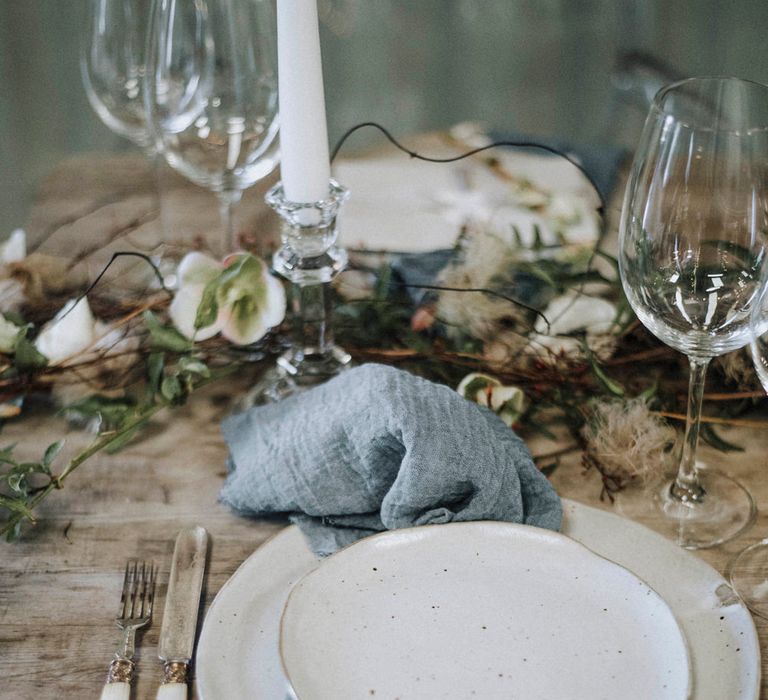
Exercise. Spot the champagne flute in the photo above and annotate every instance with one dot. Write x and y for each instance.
(211, 94)
(691, 256)
(748, 570)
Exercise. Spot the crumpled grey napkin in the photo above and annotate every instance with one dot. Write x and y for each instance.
(378, 448)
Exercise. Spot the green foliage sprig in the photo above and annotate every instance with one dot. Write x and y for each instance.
(174, 371)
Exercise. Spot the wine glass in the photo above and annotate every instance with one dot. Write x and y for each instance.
(748, 570)
(211, 94)
(113, 67)
(691, 255)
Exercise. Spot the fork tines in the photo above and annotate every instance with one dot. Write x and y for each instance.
(138, 590)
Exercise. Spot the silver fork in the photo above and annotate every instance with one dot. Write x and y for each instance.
(135, 611)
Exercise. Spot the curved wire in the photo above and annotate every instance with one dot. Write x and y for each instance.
(452, 159)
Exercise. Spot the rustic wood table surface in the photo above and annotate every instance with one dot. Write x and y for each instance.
(60, 584)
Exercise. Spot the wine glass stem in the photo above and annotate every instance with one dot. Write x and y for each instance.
(227, 201)
(686, 486)
(157, 161)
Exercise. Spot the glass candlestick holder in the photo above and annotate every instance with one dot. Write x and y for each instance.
(309, 259)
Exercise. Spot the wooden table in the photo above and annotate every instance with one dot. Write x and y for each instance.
(59, 586)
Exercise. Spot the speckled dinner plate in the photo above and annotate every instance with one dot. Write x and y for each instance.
(480, 609)
(237, 654)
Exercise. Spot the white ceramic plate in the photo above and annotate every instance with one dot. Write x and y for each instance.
(238, 656)
(480, 609)
(435, 199)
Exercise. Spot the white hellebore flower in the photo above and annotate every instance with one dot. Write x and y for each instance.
(577, 312)
(14, 248)
(68, 333)
(570, 313)
(9, 331)
(508, 402)
(237, 298)
(575, 218)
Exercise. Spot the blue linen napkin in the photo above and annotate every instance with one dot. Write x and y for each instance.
(378, 448)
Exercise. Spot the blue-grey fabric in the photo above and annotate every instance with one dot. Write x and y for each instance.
(378, 448)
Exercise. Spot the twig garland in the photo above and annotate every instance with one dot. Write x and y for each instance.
(128, 253)
(478, 290)
(132, 225)
(142, 307)
(562, 386)
(715, 420)
(89, 210)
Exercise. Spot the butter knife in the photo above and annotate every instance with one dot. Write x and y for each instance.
(182, 602)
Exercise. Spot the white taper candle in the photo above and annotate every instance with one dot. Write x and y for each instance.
(305, 163)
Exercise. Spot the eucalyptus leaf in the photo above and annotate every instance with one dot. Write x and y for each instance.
(191, 365)
(110, 412)
(26, 356)
(208, 308)
(14, 533)
(9, 332)
(165, 337)
(155, 368)
(14, 317)
(17, 477)
(171, 389)
(543, 275)
(16, 480)
(51, 452)
(710, 436)
(6, 454)
(650, 393)
(604, 380)
(16, 505)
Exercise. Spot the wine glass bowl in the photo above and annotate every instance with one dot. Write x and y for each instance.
(691, 258)
(114, 70)
(696, 215)
(697, 299)
(113, 66)
(211, 95)
(759, 339)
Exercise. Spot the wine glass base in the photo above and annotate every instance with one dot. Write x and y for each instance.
(309, 367)
(748, 574)
(295, 373)
(274, 385)
(725, 511)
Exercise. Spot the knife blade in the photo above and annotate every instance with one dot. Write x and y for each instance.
(182, 603)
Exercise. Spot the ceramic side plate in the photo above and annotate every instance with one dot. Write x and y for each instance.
(481, 609)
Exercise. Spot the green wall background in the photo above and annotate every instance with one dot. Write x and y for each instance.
(545, 67)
